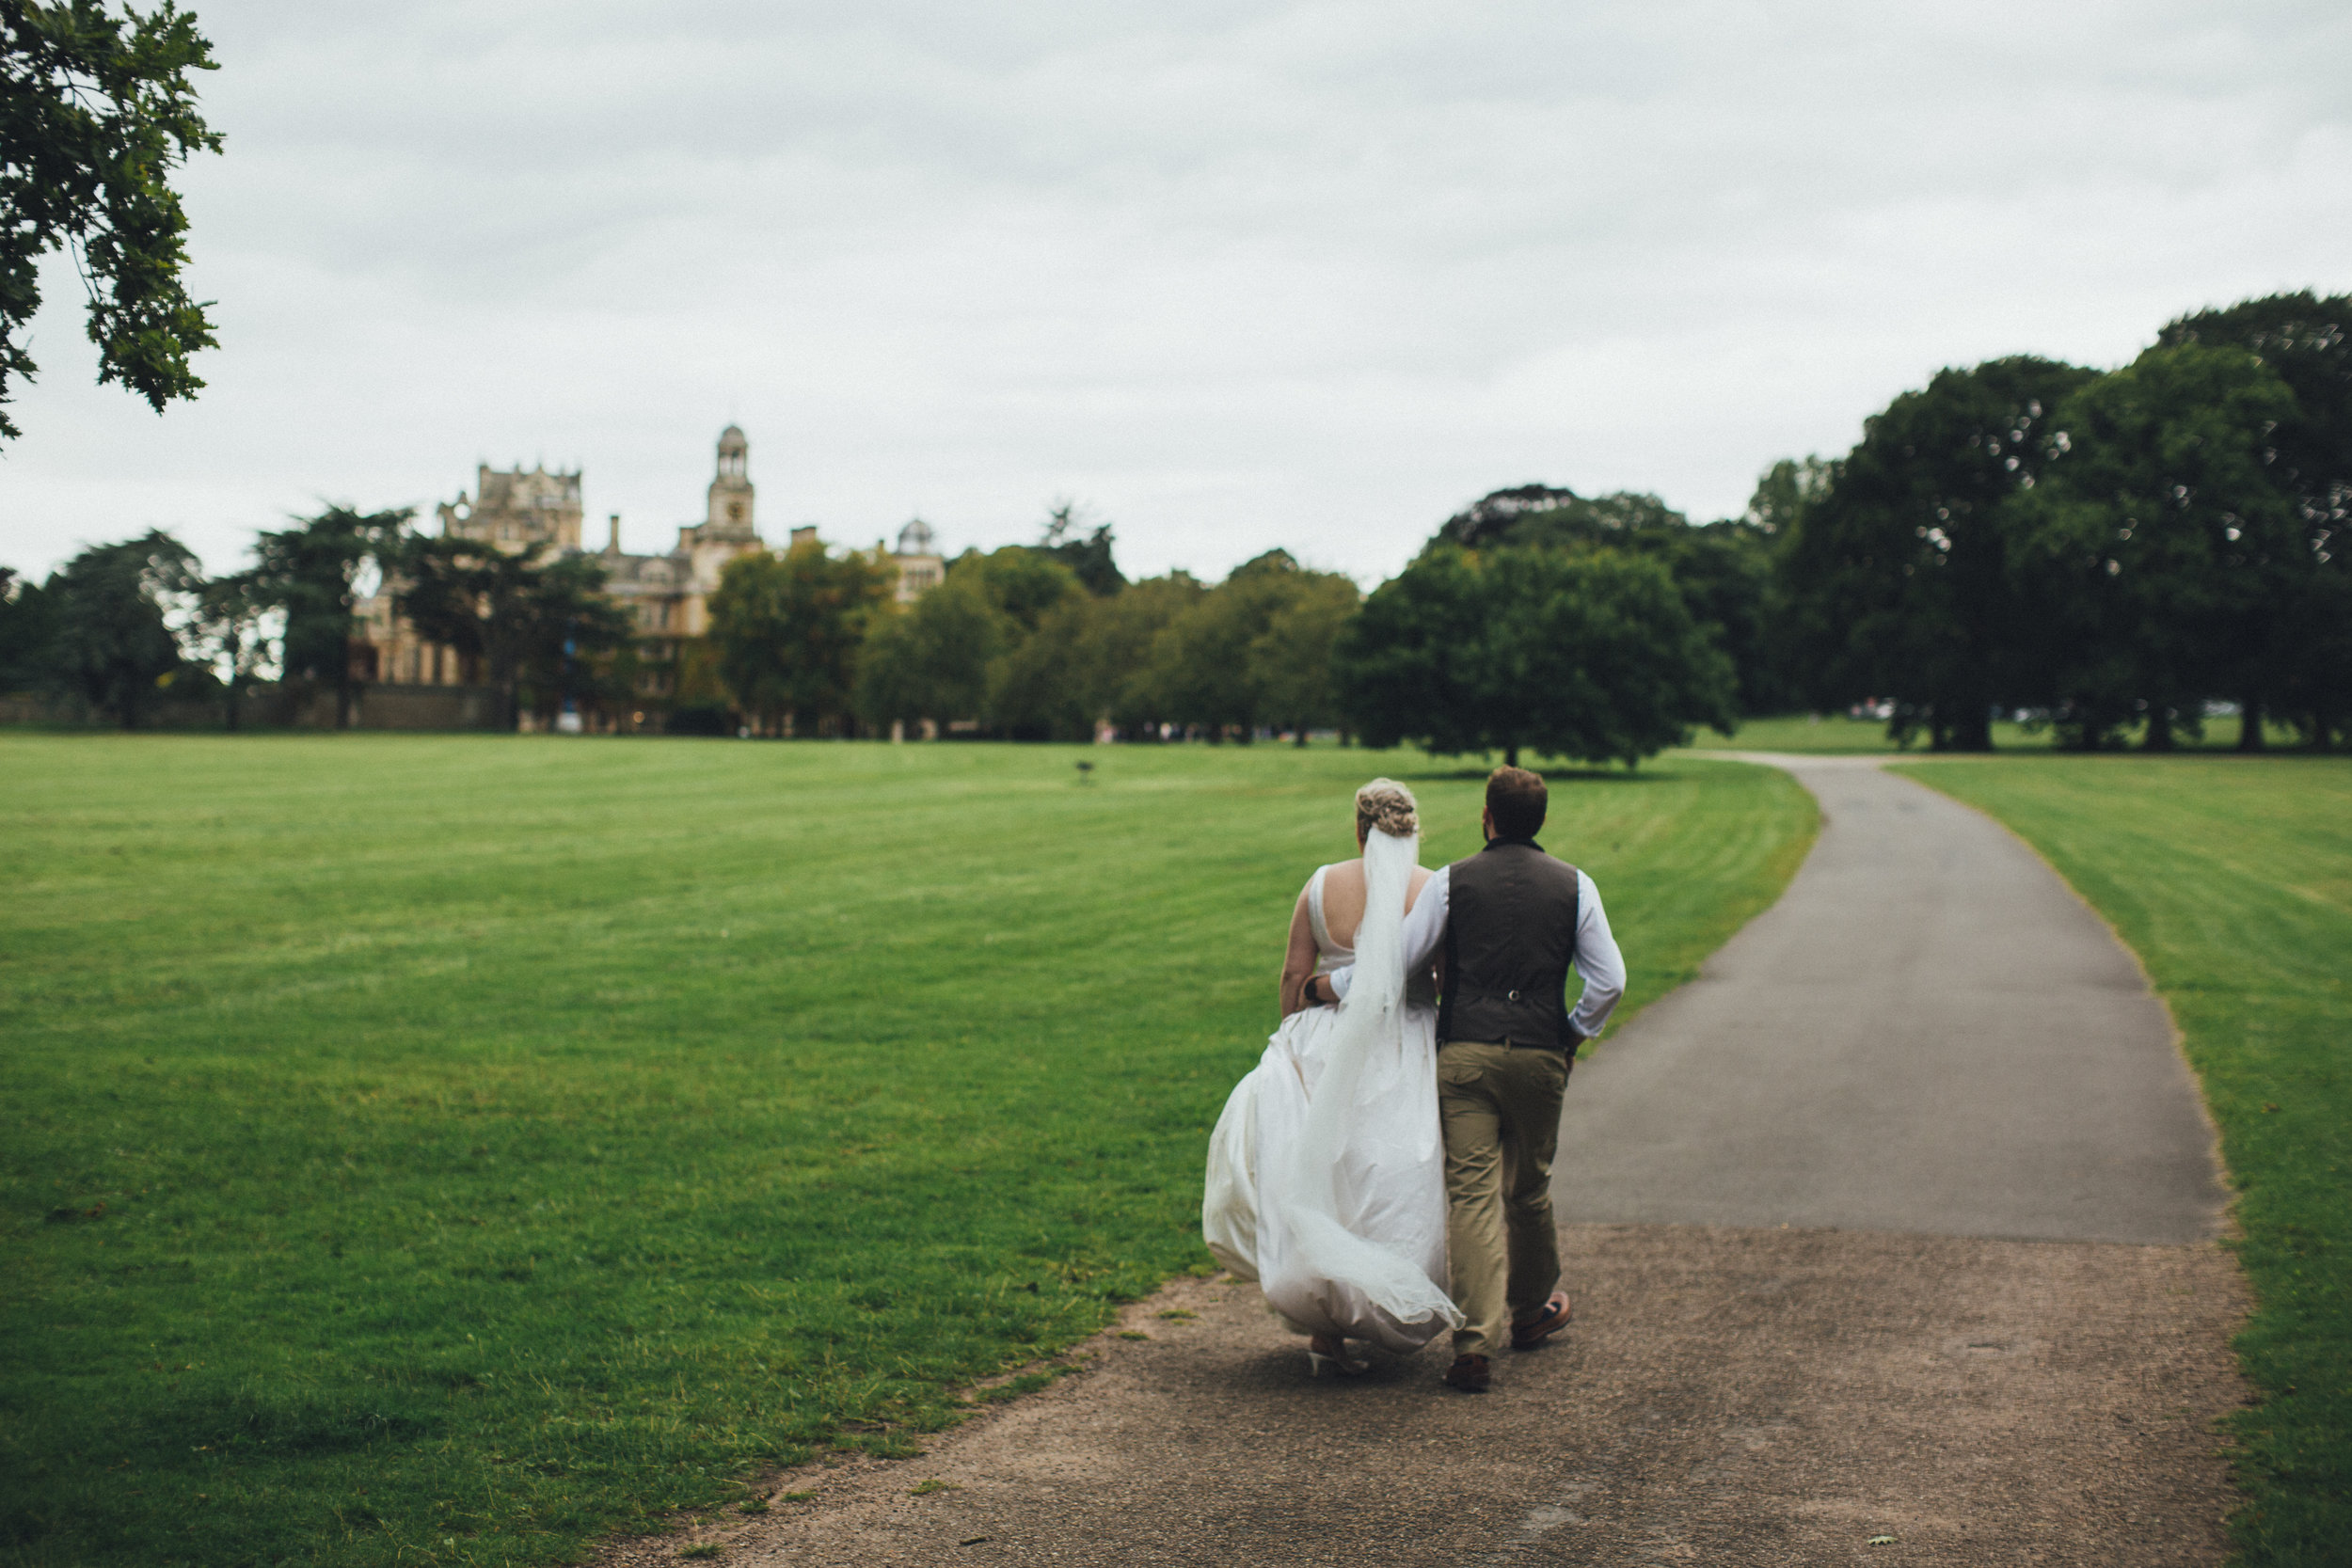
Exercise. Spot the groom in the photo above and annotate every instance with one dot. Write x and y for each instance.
(1510, 920)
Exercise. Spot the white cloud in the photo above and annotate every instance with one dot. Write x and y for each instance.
(1240, 276)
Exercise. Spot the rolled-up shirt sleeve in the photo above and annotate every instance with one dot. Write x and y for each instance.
(1597, 959)
(1425, 928)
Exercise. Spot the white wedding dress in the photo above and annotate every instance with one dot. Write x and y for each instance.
(1326, 1172)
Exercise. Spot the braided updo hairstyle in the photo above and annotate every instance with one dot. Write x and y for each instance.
(1388, 806)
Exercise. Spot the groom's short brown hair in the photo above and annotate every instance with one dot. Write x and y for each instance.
(1516, 799)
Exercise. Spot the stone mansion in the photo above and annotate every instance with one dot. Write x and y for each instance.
(666, 595)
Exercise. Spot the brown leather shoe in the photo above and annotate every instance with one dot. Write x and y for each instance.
(1557, 1314)
(1468, 1373)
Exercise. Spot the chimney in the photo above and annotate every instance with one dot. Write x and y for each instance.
(804, 536)
(612, 545)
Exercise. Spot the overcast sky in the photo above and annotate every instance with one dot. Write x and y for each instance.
(1233, 275)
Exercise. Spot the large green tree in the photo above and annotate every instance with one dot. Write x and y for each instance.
(97, 110)
(1899, 581)
(112, 642)
(1124, 631)
(581, 633)
(2307, 340)
(311, 573)
(536, 631)
(1034, 614)
(788, 629)
(1022, 584)
(1290, 661)
(1771, 681)
(1198, 671)
(1586, 654)
(1047, 684)
(932, 661)
(1223, 662)
(2165, 545)
(1723, 569)
(26, 629)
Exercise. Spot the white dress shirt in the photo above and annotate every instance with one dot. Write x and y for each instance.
(1595, 957)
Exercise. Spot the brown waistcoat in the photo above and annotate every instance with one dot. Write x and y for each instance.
(1510, 936)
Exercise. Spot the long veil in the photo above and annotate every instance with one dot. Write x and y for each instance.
(1343, 1247)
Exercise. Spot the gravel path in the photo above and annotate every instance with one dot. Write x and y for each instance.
(1893, 1242)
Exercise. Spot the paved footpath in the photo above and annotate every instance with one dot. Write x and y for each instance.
(1928, 1033)
(1893, 1242)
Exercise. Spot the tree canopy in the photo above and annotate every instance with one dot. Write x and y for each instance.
(531, 627)
(1088, 555)
(1722, 569)
(312, 572)
(2164, 544)
(28, 626)
(1014, 643)
(932, 661)
(2120, 555)
(1586, 654)
(96, 112)
(1900, 580)
(788, 627)
(111, 639)
(2307, 341)
(2105, 552)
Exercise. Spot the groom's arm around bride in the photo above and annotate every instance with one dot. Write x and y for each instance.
(1511, 921)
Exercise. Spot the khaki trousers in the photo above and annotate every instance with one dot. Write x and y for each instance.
(1500, 1112)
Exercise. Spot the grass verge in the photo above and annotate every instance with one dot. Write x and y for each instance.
(2232, 879)
(1835, 734)
(443, 1149)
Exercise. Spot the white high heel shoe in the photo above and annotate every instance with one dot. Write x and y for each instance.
(1328, 1352)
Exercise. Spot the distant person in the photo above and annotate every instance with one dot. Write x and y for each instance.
(1325, 1178)
(1507, 924)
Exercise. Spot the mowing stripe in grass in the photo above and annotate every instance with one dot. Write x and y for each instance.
(461, 1145)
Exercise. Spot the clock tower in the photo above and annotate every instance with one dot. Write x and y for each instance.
(730, 514)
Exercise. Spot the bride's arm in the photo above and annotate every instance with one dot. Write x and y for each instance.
(1298, 959)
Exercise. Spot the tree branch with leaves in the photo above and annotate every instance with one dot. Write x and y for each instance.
(96, 112)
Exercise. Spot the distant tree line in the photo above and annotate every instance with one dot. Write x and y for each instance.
(2111, 554)
(2107, 552)
(1046, 642)
(122, 629)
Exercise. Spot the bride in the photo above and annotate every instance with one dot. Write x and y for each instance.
(1326, 1172)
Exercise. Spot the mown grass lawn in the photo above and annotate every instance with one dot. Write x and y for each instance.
(2231, 878)
(440, 1149)
(1836, 733)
